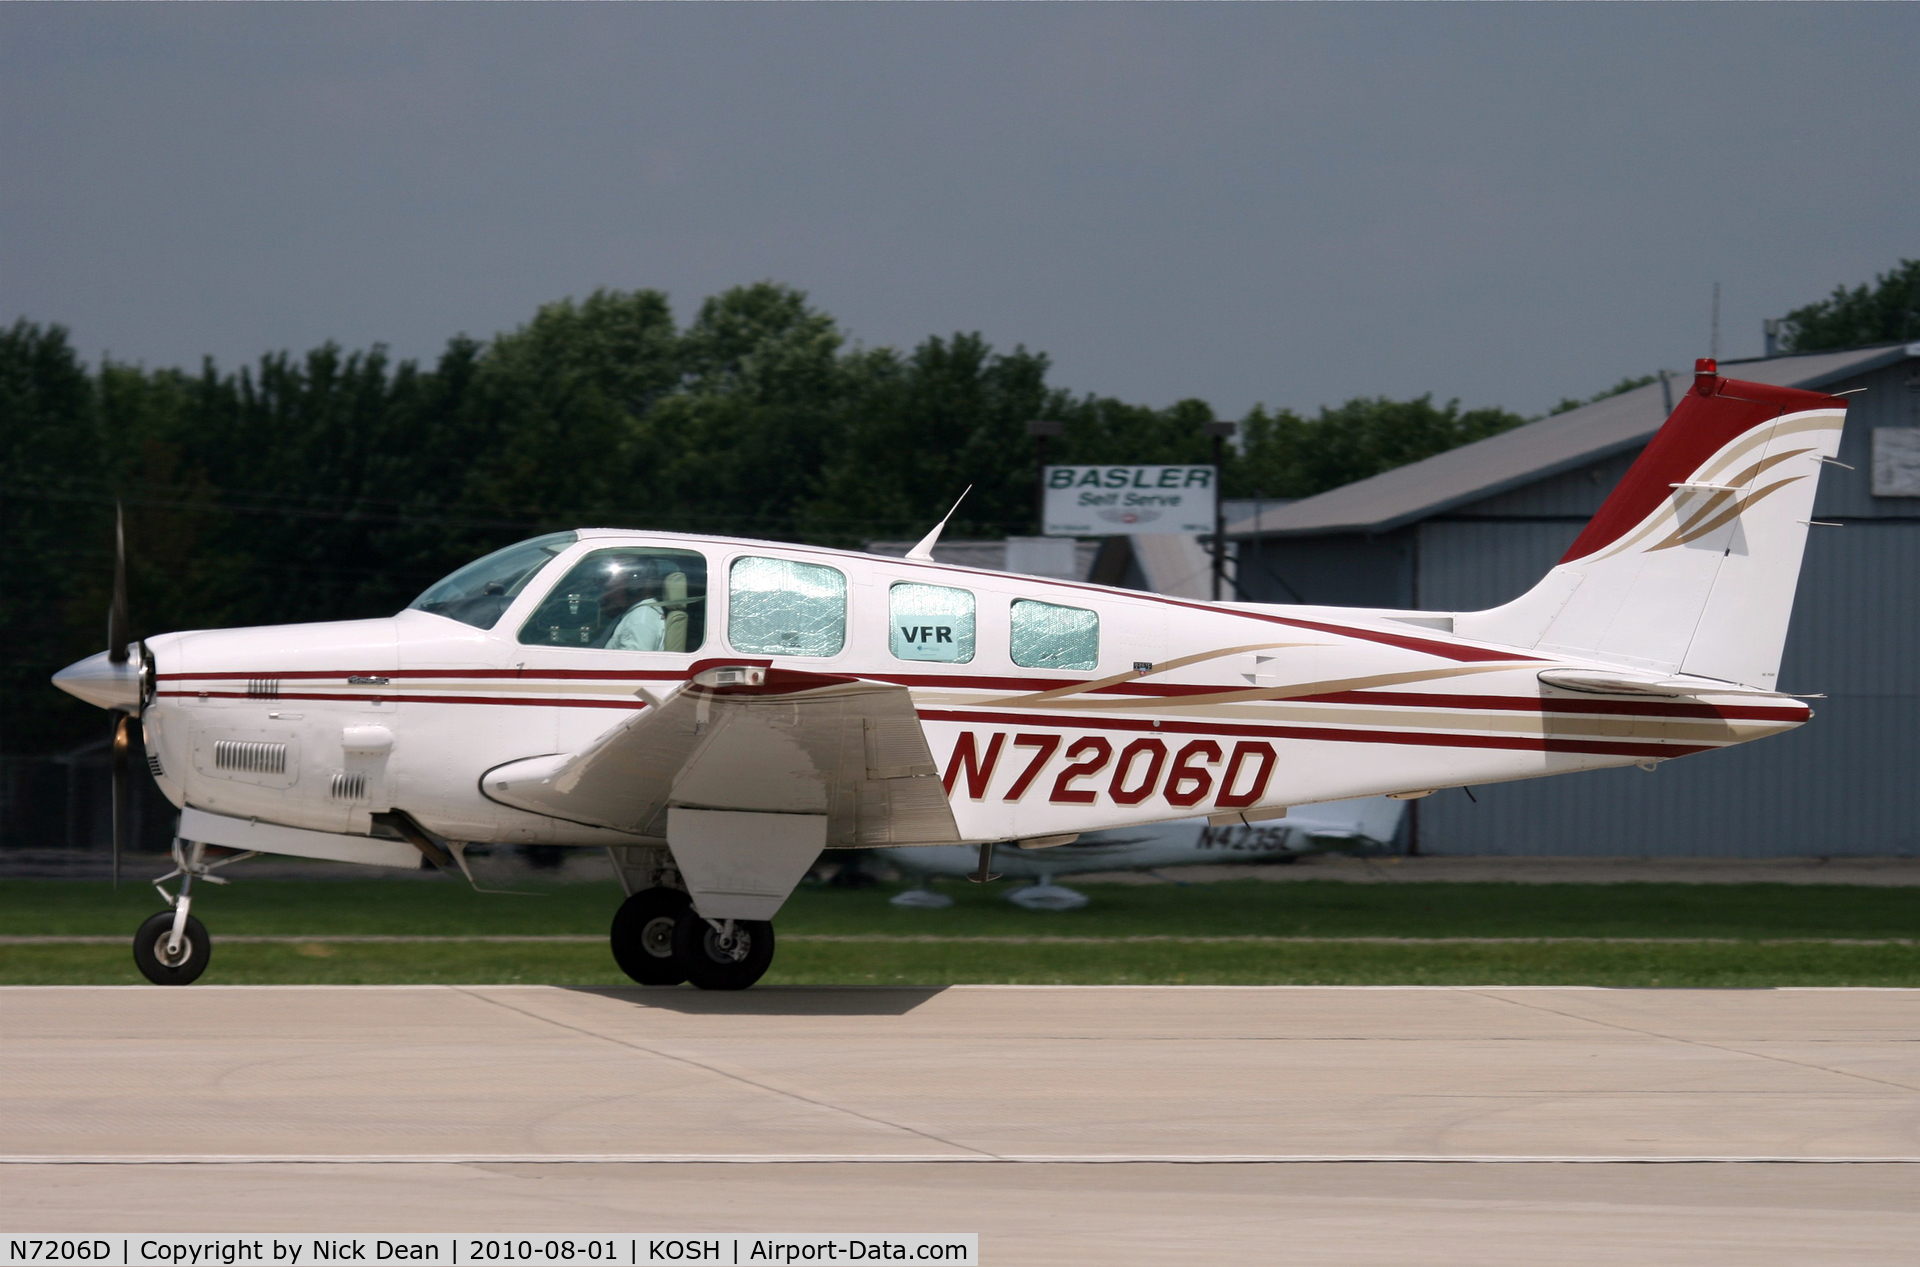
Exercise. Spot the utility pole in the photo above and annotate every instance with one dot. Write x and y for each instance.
(1042, 430)
(1219, 431)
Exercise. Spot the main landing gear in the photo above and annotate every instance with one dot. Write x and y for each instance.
(659, 939)
(172, 948)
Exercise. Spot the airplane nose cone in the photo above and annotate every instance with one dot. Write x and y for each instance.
(101, 682)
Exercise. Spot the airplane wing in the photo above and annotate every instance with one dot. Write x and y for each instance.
(756, 740)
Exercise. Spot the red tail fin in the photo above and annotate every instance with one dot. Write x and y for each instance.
(1690, 565)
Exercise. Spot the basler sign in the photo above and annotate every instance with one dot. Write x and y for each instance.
(1099, 501)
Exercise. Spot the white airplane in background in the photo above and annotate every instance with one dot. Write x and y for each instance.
(1185, 842)
(773, 700)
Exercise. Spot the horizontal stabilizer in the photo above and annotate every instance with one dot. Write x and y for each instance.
(1601, 682)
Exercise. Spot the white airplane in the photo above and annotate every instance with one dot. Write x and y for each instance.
(714, 712)
(1185, 842)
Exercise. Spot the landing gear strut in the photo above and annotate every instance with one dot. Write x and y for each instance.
(172, 948)
(722, 954)
(659, 939)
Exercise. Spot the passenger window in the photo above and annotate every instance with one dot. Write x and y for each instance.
(627, 599)
(1049, 637)
(779, 607)
(930, 622)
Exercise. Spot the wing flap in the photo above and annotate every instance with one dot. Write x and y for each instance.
(754, 740)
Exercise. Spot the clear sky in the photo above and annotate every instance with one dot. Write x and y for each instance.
(1285, 203)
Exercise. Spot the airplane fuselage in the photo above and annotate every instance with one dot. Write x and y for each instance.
(1049, 707)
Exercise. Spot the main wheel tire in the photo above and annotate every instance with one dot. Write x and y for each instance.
(150, 951)
(711, 966)
(642, 936)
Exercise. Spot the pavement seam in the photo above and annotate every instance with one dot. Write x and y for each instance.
(926, 1159)
(724, 1073)
(210, 987)
(1698, 1042)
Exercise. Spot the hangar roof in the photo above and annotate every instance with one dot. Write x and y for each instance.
(1532, 452)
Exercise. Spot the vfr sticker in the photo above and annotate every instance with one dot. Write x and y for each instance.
(1128, 775)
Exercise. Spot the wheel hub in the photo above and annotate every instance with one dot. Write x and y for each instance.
(172, 960)
(729, 947)
(657, 937)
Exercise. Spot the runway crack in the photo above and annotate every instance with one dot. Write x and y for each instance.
(1697, 1042)
(729, 1074)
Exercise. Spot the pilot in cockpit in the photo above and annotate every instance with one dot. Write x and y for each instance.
(632, 598)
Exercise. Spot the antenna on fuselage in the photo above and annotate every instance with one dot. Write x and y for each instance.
(924, 550)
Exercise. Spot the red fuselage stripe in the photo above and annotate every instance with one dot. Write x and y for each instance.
(1332, 733)
(1519, 704)
(544, 675)
(928, 681)
(510, 701)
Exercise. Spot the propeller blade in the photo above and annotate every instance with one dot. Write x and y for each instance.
(122, 740)
(117, 635)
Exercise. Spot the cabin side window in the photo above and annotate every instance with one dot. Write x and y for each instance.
(930, 622)
(626, 599)
(1048, 636)
(780, 607)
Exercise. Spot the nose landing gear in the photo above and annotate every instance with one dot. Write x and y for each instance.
(172, 948)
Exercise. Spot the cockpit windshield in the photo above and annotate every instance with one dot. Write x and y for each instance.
(480, 592)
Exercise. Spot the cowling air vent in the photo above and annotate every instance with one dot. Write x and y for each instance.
(153, 764)
(263, 688)
(253, 758)
(349, 787)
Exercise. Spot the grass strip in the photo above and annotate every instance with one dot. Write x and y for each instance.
(892, 939)
(1325, 908)
(1696, 965)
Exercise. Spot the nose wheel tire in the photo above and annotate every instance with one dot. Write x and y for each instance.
(714, 960)
(181, 968)
(642, 936)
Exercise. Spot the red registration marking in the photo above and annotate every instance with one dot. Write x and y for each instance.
(1189, 783)
(1155, 754)
(1145, 766)
(1043, 746)
(978, 769)
(1242, 752)
(1093, 752)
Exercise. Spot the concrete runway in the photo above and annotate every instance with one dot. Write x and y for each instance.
(1069, 1124)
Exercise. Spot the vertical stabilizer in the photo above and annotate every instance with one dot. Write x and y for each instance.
(1691, 564)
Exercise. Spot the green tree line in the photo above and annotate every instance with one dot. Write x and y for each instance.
(1888, 311)
(340, 483)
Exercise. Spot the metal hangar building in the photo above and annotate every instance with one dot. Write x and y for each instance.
(1478, 525)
